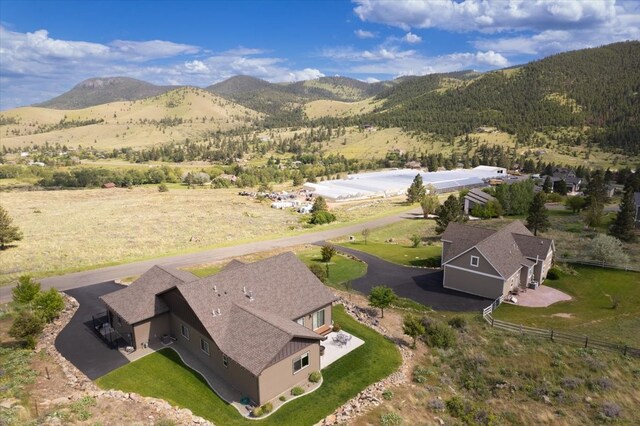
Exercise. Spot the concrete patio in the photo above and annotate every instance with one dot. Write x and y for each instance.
(541, 297)
(334, 351)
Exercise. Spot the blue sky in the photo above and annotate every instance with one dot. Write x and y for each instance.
(46, 47)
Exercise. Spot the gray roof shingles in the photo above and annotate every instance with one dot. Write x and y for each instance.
(506, 249)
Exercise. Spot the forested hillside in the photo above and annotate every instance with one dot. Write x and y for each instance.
(593, 87)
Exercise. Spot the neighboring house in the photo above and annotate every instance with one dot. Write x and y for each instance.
(636, 201)
(474, 198)
(258, 326)
(491, 263)
(569, 177)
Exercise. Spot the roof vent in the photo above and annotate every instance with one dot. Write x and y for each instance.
(218, 311)
(250, 295)
(215, 288)
(213, 312)
(244, 290)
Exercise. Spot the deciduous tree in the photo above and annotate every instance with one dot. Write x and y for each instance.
(412, 327)
(382, 297)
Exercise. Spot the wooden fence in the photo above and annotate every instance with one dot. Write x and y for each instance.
(599, 264)
(554, 335)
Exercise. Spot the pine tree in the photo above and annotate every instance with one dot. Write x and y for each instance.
(8, 232)
(623, 226)
(416, 191)
(547, 186)
(450, 211)
(595, 199)
(538, 218)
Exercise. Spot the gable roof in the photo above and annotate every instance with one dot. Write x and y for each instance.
(258, 303)
(506, 249)
(478, 196)
(138, 301)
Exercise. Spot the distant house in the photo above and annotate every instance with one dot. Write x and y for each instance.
(413, 165)
(476, 197)
(569, 177)
(109, 185)
(257, 326)
(636, 201)
(491, 263)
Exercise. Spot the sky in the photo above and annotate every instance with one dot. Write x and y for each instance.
(49, 46)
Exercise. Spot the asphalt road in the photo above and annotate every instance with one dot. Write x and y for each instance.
(95, 276)
(422, 285)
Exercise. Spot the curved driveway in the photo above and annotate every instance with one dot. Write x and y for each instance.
(420, 284)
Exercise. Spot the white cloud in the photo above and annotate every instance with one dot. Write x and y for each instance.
(196, 67)
(488, 15)
(153, 49)
(412, 38)
(364, 34)
(301, 75)
(371, 80)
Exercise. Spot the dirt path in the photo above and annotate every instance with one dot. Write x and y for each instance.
(80, 279)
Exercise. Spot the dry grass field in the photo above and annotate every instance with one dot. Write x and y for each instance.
(74, 230)
(127, 124)
(327, 108)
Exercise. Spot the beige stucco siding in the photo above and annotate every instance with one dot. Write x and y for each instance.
(280, 377)
(151, 330)
(464, 261)
(472, 283)
(234, 374)
(542, 267)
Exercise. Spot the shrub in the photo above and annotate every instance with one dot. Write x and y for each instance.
(315, 377)
(48, 304)
(26, 326)
(432, 262)
(297, 391)
(455, 407)
(25, 291)
(571, 382)
(267, 408)
(390, 419)
(439, 335)
(336, 327)
(282, 398)
(436, 404)
(553, 274)
(319, 271)
(610, 410)
(458, 322)
(322, 217)
(257, 412)
(420, 374)
(415, 240)
(387, 394)
(163, 187)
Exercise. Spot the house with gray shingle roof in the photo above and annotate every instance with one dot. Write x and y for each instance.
(476, 197)
(491, 263)
(258, 326)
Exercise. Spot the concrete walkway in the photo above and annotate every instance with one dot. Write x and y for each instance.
(81, 279)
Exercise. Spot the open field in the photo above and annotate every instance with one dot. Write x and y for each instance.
(327, 108)
(162, 375)
(591, 312)
(74, 230)
(128, 124)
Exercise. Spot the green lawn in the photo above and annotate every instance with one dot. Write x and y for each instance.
(393, 243)
(591, 312)
(163, 375)
(342, 269)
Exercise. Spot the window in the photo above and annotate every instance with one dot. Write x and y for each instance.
(185, 331)
(300, 362)
(475, 260)
(300, 321)
(318, 319)
(225, 360)
(204, 345)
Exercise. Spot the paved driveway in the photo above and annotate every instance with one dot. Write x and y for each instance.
(78, 343)
(419, 284)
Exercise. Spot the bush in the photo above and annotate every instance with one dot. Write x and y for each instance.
(163, 187)
(322, 217)
(553, 274)
(282, 398)
(610, 410)
(26, 326)
(390, 419)
(336, 327)
(267, 408)
(297, 391)
(257, 412)
(439, 335)
(387, 394)
(436, 405)
(415, 240)
(432, 262)
(319, 271)
(458, 322)
(455, 407)
(26, 290)
(315, 377)
(48, 304)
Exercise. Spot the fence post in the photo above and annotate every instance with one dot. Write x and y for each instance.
(586, 341)
(625, 350)
(552, 335)
(520, 325)
(491, 321)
